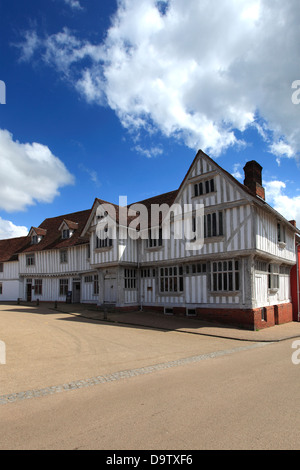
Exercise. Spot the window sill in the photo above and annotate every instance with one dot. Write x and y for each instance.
(273, 291)
(154, 248)
(226, 293)
(105, 248)
(214, 239)
(213, 193)
(177, 294)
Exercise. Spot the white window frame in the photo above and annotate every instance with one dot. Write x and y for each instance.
(63, 256)
(171, 280)
(63, 287)
(225, 276)
(30, 260)
(38, 287)
(130, 279)
(273, 277)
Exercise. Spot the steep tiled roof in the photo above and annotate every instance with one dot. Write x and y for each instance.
(9, 248)
(53, 239)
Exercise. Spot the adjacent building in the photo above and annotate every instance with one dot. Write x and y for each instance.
(238, 274)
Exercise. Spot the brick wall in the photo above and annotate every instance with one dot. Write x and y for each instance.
(250, 319)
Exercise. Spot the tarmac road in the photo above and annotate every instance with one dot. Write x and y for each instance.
(232, 395)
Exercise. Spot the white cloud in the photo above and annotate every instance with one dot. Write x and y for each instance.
(93, 175)
(194, 70)
(29, 173)
(276, 196)
(74, 4)
(9, 230)
(149, 153)
(237, 172)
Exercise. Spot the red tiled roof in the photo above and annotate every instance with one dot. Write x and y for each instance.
(53, 240)
(9, 248)
(39, 231)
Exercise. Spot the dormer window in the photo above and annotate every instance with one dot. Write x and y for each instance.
(65, 234)
(36, 235)
(67, 229)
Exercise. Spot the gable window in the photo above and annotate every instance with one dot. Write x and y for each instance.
(225, 276)
(63, 287)
(204, 187)
(171, 279)
(63, 256)
(38, 286)
(30, 260)
(273, 277)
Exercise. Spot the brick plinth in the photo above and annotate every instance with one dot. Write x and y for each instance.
(250, 319)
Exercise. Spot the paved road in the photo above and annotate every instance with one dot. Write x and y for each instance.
(207, 393)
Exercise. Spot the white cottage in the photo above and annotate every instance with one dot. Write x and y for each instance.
(117, 255)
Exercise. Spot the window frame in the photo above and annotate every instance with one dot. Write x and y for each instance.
(63, 256)
(38, 287)
(130, 279)
(32, 258)
(95, 281)
(204, 187)
(225, 276)
(273, 277)
(171, 280)
(63, 287)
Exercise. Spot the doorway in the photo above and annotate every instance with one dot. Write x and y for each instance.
(76, 292)
(110, 290)
(28, 292)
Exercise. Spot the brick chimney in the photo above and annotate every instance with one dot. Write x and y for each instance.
(253, 179)
(293, 222)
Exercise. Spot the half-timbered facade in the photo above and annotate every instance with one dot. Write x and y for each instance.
(239, 273)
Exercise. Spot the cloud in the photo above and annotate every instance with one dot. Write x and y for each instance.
(9, 230)
(237, 172)
(149, 153)
(197, 71)
(93, 175)
(29, 173)
(74, 4)
(276, 196)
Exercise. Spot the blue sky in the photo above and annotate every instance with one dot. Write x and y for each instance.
(111, 98)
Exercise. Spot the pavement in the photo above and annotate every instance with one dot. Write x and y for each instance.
(154, 320)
